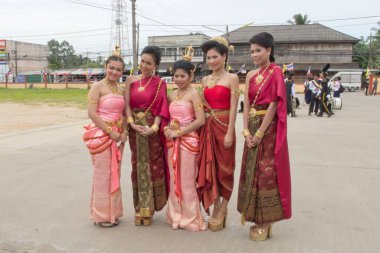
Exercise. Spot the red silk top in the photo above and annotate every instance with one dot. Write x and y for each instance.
(142, 100)
(274, 90)
(218, 97)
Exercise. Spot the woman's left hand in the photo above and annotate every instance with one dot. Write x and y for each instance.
(147, 132)
(255, 141)
(228, 139)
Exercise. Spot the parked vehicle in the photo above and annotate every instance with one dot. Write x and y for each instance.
(167, 79)
(351, 81)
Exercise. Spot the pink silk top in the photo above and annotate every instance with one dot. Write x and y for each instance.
(274, 90)
(218, 97)
(111, 107)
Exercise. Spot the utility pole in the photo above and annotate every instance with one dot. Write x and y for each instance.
(138, 40)
(369, 51)
(228, 56)
(134, 46)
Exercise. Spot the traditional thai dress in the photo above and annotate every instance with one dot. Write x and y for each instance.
(183, 204)
(216, 163)
(149, 169)
(106, 204)
(264, 187)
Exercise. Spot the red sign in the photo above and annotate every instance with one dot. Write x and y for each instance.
(3, 43)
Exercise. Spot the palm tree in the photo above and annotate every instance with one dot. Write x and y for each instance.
(299, 19)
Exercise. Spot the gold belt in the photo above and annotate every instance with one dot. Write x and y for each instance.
(118, 123)
(253, 112)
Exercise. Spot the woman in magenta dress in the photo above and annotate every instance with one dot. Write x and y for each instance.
(147, 113)
(264, 189)
(217, 137)
(186, 117)
(105, 138)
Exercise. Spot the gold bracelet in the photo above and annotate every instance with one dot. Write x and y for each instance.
(92, 101)
(125, 131)
(198, 107)
(259, 134)
(130, 120)
(178, 132)
(108, 130)
(155, 127)
(246, 132)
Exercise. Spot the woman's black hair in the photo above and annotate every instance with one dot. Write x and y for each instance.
(115, 58)
(185, 65)
(266, 40)
(213, 44)
(153, 51)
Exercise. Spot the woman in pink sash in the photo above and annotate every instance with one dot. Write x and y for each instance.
(186, 116)
(217, 137)
(105, 139)
(147, 113)
(264, 190)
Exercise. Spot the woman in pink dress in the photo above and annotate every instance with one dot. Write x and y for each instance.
(217, 137)
(264, 190)
(186, 116)
(105, 138)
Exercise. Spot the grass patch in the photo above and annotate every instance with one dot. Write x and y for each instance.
(53, 97)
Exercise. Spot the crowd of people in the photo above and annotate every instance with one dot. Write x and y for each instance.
(318, 89)
(183, 145)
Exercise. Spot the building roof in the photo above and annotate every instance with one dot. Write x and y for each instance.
(291, 34)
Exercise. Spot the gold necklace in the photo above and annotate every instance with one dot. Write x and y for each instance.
(142, 88)
(178, 96)
(260, 77)
(113, 86)
(211, 80)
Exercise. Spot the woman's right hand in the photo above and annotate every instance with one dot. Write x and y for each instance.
(138, 128)
(249, 141)
(115, 136)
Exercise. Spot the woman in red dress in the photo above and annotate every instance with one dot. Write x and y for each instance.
(147, 113)
(264, 189)
(216, 158)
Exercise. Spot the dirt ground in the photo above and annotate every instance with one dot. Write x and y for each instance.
(17, 117)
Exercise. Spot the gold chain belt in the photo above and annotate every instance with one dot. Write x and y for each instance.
(253, 112)
(118, 123)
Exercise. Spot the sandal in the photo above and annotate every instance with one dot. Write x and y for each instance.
(107, 224)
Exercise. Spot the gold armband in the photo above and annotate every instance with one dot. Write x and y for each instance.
(108, 130)
(92, 101)
(246, 132)
(155, 127)
(166, 128)
(259, 134)
(236, 92)
(130, 120)
(198, 107)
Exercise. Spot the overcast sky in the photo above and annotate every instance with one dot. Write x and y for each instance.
(88, 28)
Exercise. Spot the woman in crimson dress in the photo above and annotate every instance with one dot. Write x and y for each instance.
(264, 189)
(216, 158)
(147, 113)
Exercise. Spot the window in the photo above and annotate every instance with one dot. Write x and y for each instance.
(198, 52)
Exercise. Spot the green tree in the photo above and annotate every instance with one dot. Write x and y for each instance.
(366, 52)
(54, 58)
(299, 19)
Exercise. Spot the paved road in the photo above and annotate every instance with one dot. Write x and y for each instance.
(46, 178)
